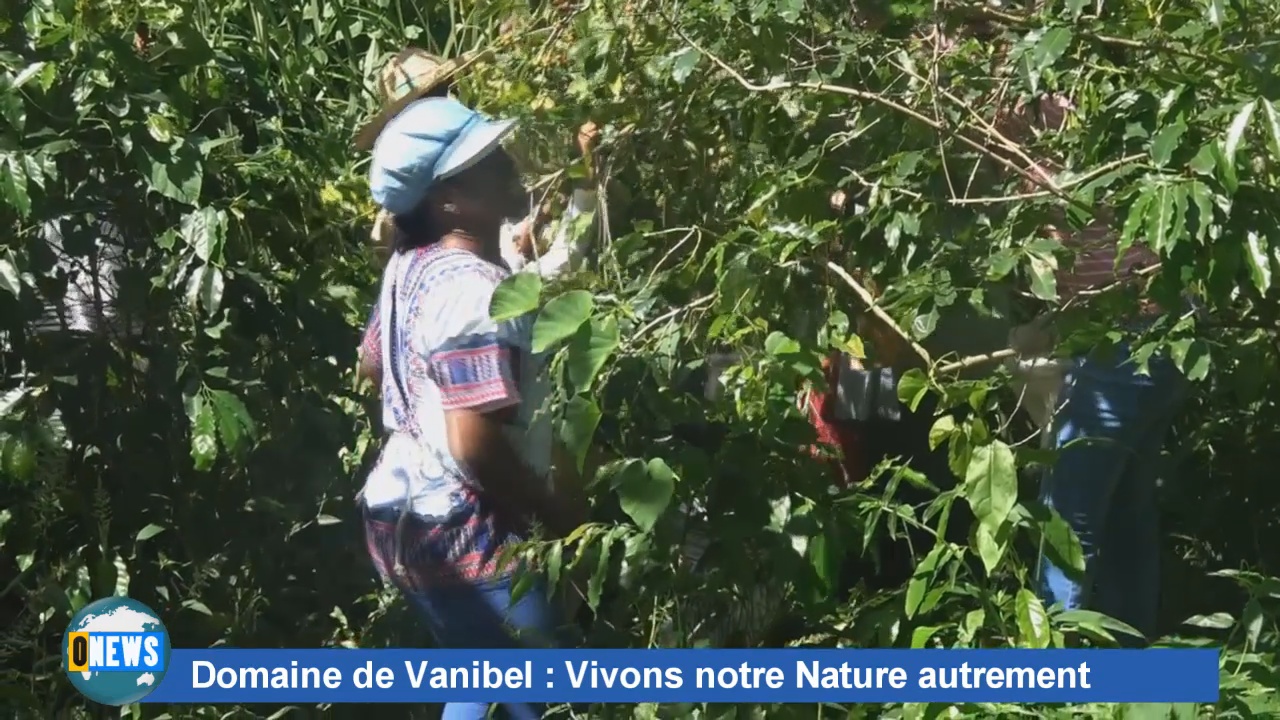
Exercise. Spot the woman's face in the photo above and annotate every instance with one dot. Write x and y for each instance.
(489, 192)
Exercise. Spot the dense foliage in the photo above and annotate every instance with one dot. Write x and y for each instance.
(204, 462)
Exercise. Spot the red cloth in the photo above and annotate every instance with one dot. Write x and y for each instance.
(839, 435)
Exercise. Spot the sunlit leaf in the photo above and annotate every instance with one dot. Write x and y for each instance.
(560, 318)
(1033, 621)
(515, 296)
(176, 173)
(1258, 257)
(991, 483)
(1235, 133)
(149, 532)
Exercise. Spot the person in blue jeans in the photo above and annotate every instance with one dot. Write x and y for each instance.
(1109, 431)
(463, 472)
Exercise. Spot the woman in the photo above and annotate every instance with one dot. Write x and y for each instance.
(458, 479)
(414, 74)
(1109, 428)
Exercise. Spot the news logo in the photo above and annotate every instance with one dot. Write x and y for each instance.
(116, 651)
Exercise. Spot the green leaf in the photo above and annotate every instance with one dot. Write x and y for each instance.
(1191, 357)
(920, 636)
(1060, 541)
(1235, 133)
(683, 63)
(991, 484)
(1202, 197)
(990, 544)
(1252, 621)
(1134, 220)
(942, 429)
(777, 343)
(1076, 7)
(204, 288)
(595, 585)
(1051, 45)
(1258, 256)
(1216, 621)
(1086, 618)
(912, 388)
(1148, 711)
(1273, 126)
(178, 174)
(554, 564)
(1163, 228)
(591, 347)
(205, 230)
(515, 296)
(561, 318)
(645, 491)
(1033, 621)
(204, 443)
(149, 532)
(1044, 281)
(1204, 161)
(197, 606)
(1215, 12)
(13, 184)
(234, 422)
(10, 281)
(581, 416)
(1166, 141)
(922, 576)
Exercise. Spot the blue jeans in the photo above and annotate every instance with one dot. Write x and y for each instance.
(462, 613)
(1104, 484)
(480, 616)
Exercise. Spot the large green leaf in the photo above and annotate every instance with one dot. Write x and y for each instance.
(177, 174)
(1258, 256)
(922, 577)
(1033, 622)
(581, 416)
(991, 483)
(205, 230)
(235, 425)
(561, 318)
(591, 347)
(9, 278)
(645, 491)
(1060, 541)
(13, 183)
(515, 296)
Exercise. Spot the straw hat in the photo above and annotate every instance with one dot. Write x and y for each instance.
(406, 77)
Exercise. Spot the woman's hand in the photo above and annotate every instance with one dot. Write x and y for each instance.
(588, 138)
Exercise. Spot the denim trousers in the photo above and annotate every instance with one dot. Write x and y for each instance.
(470, 614)
(1109, 431)
(481, 615)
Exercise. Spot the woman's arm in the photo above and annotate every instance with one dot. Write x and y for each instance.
(475, 365)
(478, 440)
(369, 365)
(571, 239)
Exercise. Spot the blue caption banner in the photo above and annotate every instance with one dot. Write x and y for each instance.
(671, 676)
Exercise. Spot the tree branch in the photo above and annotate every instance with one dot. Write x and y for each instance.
(985, 149)
(870, 301)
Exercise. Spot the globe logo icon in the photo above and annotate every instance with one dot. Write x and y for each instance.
(116, 651)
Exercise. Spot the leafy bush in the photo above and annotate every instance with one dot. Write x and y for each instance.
(200, 451)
